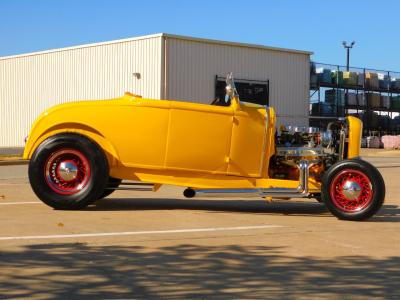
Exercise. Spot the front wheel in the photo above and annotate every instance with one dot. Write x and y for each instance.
(68, 171)
(353, 190)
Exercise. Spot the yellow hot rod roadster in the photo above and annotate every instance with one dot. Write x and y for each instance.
(81, 152)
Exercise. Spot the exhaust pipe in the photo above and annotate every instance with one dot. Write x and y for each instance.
(300, 192)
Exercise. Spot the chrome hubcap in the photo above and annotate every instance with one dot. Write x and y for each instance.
(68, 170)
(351, 190)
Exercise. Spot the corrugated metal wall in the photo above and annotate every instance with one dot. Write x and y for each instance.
(193, 65)
(31, 83)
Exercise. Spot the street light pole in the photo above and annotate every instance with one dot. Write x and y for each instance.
(348, 47)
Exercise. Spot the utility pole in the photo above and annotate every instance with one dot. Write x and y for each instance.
(348, 47)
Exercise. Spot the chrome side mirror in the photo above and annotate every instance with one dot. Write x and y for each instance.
(230, 88)
(228, 93)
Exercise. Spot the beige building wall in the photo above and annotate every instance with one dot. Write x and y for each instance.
(31, 83)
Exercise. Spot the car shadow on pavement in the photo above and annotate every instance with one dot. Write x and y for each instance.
(240, 206)
(80, 271)
(388, 213)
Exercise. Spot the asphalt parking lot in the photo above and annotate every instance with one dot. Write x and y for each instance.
(160, 245)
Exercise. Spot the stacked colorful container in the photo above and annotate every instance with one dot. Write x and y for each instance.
(323, 109)
(395, 102)
(371, 80)
(385, 100)
(391, 141)
(374, 100)
(361, 99)
(350, 78)
(360, 79)
(373, 142)
(337, 77)
(324, 75)
(384, 81)
(370, 119)
(395, 84)
(335, 97)
(351, 98)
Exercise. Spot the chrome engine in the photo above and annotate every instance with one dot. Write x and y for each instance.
(295, 144)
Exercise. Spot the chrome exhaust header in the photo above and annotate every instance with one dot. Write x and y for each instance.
(301, 191)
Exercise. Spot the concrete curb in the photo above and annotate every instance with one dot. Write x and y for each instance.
(13, 162)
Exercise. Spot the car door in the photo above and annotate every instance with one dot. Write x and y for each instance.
(142, 135)
(199, 137)
(248, 143)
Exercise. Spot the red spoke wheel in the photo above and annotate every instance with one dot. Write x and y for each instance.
(353, 190)
(68, 171)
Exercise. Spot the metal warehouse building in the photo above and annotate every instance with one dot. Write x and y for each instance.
(160, 66)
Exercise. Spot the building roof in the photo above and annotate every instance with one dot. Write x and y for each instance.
(236, 44)
(167, 35)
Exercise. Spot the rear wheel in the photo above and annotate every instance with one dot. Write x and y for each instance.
(353, 190)
(68, 171)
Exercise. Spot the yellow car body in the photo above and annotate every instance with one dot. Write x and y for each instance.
(179, 143)
(81, 152)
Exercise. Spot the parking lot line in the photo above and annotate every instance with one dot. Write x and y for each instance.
(108, 234)
(19, 203)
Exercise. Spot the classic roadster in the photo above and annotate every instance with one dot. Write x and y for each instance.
(81, 152)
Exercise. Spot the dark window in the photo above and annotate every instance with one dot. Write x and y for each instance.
(253, 91)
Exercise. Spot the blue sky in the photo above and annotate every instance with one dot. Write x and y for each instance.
(318, 26)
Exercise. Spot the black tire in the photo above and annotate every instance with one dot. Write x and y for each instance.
(68, 171)
(318, 198)
(363, 200)
(112, 183)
